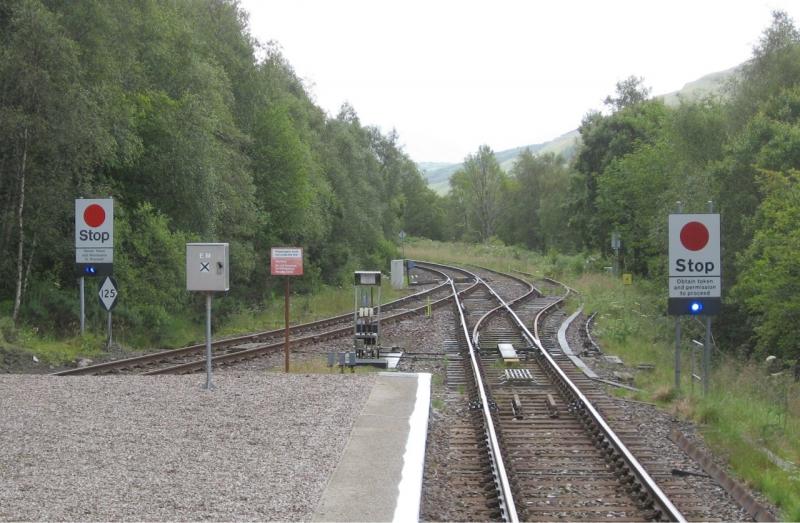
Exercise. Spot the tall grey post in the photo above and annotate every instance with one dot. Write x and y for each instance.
(83, 307)
(678, 334)
(207, 272)
(208, 385)
(677, 353)
(707, 340)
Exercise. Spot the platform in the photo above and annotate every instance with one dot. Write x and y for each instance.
(379, 476)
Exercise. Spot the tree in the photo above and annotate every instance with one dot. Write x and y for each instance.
(775, 66)
(46, 127)
(630, 91)
(769, 283)
(481, 184)
(606, 139)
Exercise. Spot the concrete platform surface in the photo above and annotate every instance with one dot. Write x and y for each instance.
(379, 476)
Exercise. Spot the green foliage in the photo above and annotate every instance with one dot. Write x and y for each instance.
(768, 286)
(534, 211)
(149, 269)
(476, 193)
(165, 107)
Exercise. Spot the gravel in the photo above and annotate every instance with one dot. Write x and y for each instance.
(258, 447)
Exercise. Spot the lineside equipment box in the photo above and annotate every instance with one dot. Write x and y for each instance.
(368, 278)
(207, 267)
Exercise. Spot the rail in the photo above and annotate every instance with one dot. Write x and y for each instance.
(161, 356)
(507, 498)
(659, 498)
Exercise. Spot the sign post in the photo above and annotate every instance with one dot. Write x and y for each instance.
(286, 261)
(695, 275)
(616, 244)
(94, 242)
(108, 294)
(207, 271)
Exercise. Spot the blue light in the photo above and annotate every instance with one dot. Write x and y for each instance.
(90, 270)
(696, 307)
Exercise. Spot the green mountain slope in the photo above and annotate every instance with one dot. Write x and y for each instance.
(438, 174)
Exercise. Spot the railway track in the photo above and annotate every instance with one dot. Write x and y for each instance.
(533, 440)
(229, 351)
(550, 452)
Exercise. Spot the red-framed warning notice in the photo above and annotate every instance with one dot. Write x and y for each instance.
(286, 261)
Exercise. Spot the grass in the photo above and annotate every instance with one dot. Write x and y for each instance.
(744, 413)
(328, 301)
(51, 351)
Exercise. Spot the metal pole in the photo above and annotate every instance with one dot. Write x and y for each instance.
(706, 355)
(109, 330)
(286, 324)
(208, 385)
(679, 205)
(707, 340)
(83, 308)
(677, 353)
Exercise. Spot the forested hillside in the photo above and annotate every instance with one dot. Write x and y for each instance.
(199, 133)
(164, 107)
(739, 149)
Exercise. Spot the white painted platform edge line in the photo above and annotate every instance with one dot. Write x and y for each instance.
(410, 486)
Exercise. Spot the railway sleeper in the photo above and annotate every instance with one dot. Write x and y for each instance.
(550, 405)
(516, 407)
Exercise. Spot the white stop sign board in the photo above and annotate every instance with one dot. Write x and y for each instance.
(94, 230)
(695, 270)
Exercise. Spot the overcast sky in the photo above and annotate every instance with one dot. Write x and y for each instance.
(450, 76)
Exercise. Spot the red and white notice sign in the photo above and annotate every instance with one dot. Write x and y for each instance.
(286, 261)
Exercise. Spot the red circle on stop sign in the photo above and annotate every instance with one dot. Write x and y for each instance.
(94, 215)
(694, 236)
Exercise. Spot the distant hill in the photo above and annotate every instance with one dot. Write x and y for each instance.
(710, 84)
(438, 174)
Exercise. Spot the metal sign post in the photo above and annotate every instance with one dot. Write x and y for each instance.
(677, 353)
(94, 243)
(207, 271)
(108, 294)
(208, 385)
(695, 275)
(678, 334)
(83, 307)
(707, 340)
(286, 327)
(286, 261)
(616, 244)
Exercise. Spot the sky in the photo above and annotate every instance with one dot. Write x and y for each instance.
(450, 76)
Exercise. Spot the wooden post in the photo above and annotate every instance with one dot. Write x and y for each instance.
(286, 335)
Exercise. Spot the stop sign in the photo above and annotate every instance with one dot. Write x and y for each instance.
(695, 271)
(94, 223)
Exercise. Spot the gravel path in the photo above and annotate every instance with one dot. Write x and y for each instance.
(259, 447)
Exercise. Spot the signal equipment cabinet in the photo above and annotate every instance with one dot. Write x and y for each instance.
(367, 314)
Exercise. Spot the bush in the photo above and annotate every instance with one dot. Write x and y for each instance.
(8, 331)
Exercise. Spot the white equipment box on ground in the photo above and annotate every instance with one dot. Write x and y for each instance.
(508, 352)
